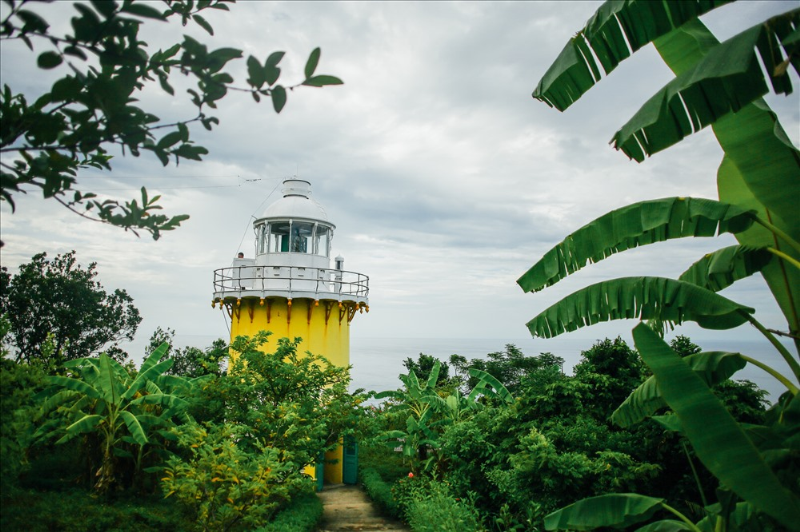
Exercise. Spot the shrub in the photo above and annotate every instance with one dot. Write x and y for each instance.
(75, 510)
(301, 515)
(380, 492)
(226, 487)
(437, 510)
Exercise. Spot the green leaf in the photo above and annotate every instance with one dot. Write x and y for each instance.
(718, 440)
(73, 384)
(274, 58)
(154, 358)
(32, 22)
(433, 377)
(203, 24)
(170, 139)
(321, 81)
(311, 64)
(486, 379)
(109, 382)
(644, 298)
(151, 373)
(632, 226)
(85, 424)
(783, 282)
(48, 60)
(143, 10)
(166, 400)
(134, 427)
(730, 71)
(278, 98)
(665, 525)
(669, 422)
(716, 271)
(105, 7)
(255, 72)
(619, 510)
(713, 367)
(608, 32)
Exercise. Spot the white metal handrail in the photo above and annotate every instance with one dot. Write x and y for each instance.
(323, 282)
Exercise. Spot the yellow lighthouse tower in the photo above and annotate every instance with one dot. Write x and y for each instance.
(289, 288)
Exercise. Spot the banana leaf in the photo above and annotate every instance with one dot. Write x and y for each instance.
(760, 170)
(618, 510)
(665, 525)
(644, 298)
(488, 380)
(717, 271)
(719, 441)
(73, 384)
(55, 400)
(632, 226)
(713, 367)
(434, 375)
(154, 357)
(669, 422)
(85, 424)
(134, 427)
(725, 80)
(108, 381)
(151, 373)
(607, 33)
(162, 400)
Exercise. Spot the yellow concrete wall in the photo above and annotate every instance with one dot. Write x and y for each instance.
(329, 338)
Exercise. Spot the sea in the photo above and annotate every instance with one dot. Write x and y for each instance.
(377, 362)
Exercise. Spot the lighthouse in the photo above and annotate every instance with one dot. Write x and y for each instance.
(288, 287)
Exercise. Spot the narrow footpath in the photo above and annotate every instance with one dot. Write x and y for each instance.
(349, 508)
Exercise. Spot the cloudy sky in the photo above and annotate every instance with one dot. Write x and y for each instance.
(445, 179)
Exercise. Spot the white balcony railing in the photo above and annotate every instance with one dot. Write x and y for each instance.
(289, 281)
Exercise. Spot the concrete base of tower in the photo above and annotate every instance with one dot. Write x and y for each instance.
(324, 327)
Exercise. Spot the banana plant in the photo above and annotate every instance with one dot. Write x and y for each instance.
(428, 410)
(102, 398)
(717, 84)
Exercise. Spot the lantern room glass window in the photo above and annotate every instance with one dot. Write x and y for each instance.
(290, 236)
(322, 241)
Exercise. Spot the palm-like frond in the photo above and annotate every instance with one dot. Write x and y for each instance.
(489, 385)
(605, 36)
(631, 226)
(725, 80)
(644, 298)
(713, 367)
(718, 270)
(718, 440)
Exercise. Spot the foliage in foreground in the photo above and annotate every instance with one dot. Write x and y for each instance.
(717, 84)
(224, 486)
(511, 464)
(91, 109)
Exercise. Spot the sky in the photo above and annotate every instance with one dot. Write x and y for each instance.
(445, 179)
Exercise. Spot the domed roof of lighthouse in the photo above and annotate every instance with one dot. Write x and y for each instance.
(297, 203)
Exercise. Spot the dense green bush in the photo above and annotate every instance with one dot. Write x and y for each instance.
(380, 492)
(436, 510)
(75, 510)
(301, 515)
(223, 486)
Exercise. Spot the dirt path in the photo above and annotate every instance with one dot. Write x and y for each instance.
(349, 508)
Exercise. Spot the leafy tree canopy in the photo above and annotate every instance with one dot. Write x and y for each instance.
(93, 109)
(190, 361)
(60, 298)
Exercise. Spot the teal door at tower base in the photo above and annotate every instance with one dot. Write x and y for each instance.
(320, 471)
(350, 462)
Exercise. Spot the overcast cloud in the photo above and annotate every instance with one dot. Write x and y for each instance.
(445, 179)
